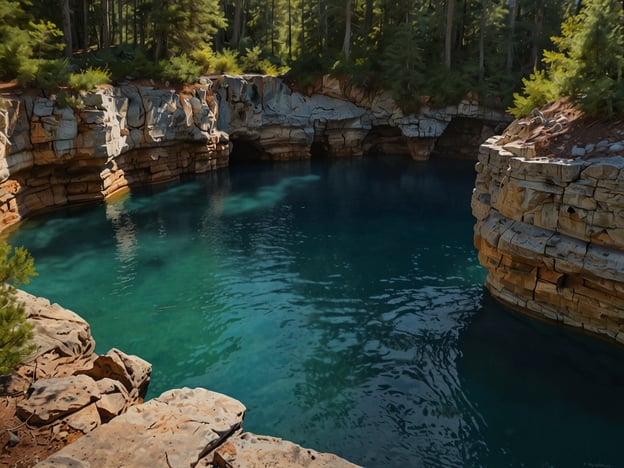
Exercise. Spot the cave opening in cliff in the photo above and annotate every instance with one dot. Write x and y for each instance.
(244, 151)
(385, 140)
(462, 137)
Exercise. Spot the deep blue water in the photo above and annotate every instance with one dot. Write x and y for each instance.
(342, 302)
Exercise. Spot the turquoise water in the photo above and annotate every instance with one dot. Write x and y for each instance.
(342, 302)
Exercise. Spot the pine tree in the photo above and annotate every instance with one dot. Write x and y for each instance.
(16, 266)
(587, 65)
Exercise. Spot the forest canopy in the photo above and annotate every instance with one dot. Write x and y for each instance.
(439, 49)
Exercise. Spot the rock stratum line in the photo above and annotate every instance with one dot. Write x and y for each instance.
(550, 231)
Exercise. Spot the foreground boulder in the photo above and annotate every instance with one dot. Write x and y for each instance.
(65, 390)
(176, 429)
(254, 451)
(185, 428)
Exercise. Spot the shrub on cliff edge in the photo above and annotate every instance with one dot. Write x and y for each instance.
(16, 267)
(588, 65)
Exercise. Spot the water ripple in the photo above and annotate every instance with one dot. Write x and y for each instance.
(342, 303)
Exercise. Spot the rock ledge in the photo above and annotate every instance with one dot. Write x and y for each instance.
(69, 388)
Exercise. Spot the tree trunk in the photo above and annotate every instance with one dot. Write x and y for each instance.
(368, 17)
(273, 27)
(238, 19)
(85, 25)
(448, 37)
(537, 33)
(302, 25)
(319, 23)
(105, 24)
(134, 22)
(120, 20)
(346, 44)
(482, 22)
(289, 31)
(513, 12)
(67, 32)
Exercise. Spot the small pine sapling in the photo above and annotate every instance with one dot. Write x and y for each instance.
(16, 267)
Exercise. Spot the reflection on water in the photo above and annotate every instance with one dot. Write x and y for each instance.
(342, 303)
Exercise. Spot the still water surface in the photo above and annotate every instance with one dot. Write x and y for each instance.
(342, 302)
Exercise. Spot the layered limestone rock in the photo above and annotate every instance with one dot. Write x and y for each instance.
(550, 231)
(335, 116)
(52, 154)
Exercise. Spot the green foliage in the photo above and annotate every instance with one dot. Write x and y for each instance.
(16, 267)
(122, 61)
(51, 74)
(89, 79)
(15, 53)
(24, 43)
(63, 99)
(587, 65)
(222, 62)
(204, 57)
(254, 62)
(399, 45)
(226, 62)
(402, 67)
(306, 70)
(46, 39)
(180, 69)
(538, 90)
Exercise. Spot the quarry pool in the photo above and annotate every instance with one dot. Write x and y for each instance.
(342, 303)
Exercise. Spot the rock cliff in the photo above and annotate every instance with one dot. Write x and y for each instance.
(52, 155)
(550, 231)
(335, 117)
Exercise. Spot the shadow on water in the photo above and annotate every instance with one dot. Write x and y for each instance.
(546, 395)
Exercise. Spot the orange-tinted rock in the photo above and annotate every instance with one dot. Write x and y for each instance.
(561, 218)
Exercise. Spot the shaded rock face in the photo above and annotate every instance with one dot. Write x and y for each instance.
(551, 234)
(335, 118)
(51, 155)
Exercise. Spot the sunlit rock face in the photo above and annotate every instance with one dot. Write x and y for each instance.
(69, 384)
(52, 155)
(337, 117)
(550, 231)
(101, 396)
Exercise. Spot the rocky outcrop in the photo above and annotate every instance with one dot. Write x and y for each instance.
(550, 231)
(69, 384)
(52, 154)
(186, 427)
(334, 116)
(252, 451)
(176, 429)
(67, 391)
